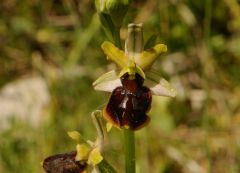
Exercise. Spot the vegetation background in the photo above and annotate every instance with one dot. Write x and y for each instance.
(58, 42)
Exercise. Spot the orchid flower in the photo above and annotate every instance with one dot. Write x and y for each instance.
(132, 88)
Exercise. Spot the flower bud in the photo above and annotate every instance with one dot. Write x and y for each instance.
(117, 10)
(105, 18)
(101, 6)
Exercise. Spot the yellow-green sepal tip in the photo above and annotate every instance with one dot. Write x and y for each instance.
(114, 54)
(148, 56)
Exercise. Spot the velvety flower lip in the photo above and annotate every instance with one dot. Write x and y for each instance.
(64, 163)
(129, 104)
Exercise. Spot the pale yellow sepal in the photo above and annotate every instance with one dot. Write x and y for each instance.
(82, 152)
(115, 54)
(148, 57)
(95, 157)
(109, 126)
(75, 135)
(109, 76)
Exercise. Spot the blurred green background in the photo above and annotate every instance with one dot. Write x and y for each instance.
(50, 55)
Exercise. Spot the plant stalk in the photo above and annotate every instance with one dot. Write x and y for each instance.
(129, 142)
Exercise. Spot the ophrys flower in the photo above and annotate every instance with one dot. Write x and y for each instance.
(133, 87)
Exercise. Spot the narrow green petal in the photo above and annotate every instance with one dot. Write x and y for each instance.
(82, 152)
(98, 123)
(109, 126)
(148, 57)
(95, 157)
(115, 54)
(75, 135)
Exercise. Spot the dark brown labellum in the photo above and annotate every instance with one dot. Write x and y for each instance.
(129, 103)
(63, 163)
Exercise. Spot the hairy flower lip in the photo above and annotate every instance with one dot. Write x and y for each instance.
(62, 163)
(129, 104)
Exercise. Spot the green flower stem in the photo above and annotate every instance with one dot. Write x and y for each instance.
(129, 142)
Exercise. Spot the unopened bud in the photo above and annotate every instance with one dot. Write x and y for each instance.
(117, 10)
(101, 6)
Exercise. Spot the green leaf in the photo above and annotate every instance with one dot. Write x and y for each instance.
(117, 10)
(150, 42)
(105, 167)
(107, 25)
